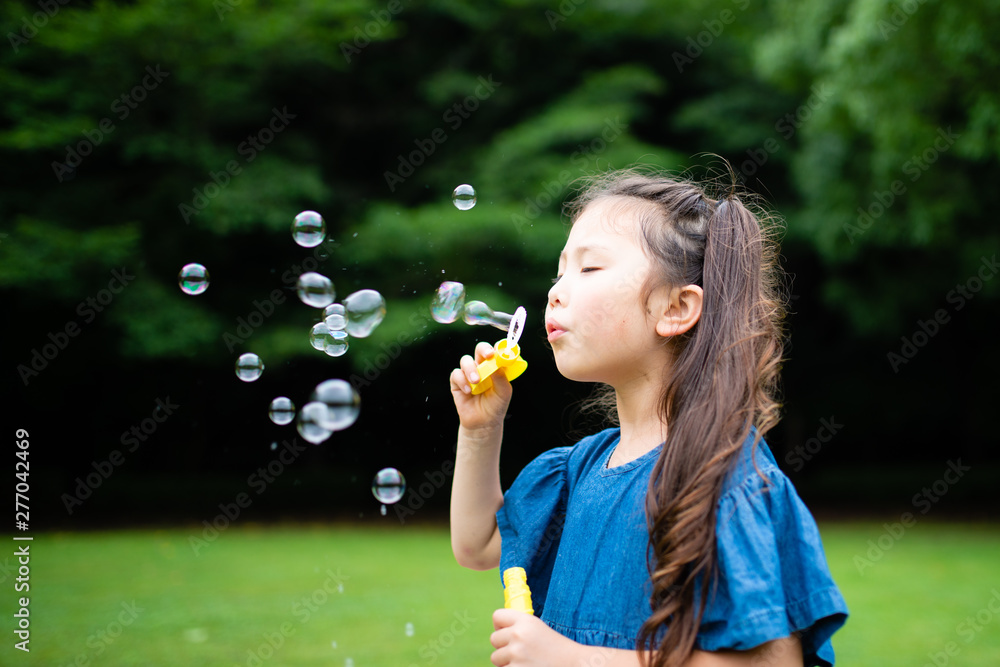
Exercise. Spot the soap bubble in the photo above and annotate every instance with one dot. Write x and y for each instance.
(365, 310)
(338, 344)
(249, 367)
(409, 629)
(193, 278)
(477, 312)
(308, 229)
(342, 404)
(464, 197)
(281, 411)
(388, 486)
(335, 317)
(448, 301)
(319, 337)
(316, 290)
(310, 422)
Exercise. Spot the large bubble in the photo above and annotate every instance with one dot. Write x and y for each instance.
(477, 312)
(365, 310)
(193, 278)
(448, 302)
(342, 401)
(316, 290)
(308, 229)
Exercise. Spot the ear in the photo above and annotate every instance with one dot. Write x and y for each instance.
(678, 309)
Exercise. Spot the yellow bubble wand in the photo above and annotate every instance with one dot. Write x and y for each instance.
(516, 594)
(506, 355)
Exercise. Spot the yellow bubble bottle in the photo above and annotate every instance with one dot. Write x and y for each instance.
(516, 594)
(506, 356)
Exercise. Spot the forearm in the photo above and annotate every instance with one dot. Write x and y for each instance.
(476, 496)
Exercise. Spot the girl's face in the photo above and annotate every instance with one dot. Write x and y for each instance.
(596, 318)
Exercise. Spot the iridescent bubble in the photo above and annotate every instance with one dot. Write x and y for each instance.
(342, 402)
(316, 290)
(477, 312)
(448, 301)
(310, 422)
(388, 486)
(249, 367)
(308, 229)
(338, 344)
(193, 278)
(335, 317)
(319, 337)
(364, 310)
(464, 197)
(281, 410)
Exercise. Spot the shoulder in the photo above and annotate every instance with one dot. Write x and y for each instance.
(569, 461)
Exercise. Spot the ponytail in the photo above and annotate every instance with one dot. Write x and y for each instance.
(723, 382)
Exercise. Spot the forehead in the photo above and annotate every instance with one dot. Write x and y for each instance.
(609, 221)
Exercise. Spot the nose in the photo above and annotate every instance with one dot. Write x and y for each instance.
(556, 295)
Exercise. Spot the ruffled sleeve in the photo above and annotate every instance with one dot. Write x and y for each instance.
(532, 518)
(773, 576)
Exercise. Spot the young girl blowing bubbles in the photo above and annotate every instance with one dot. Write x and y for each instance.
(674, 539)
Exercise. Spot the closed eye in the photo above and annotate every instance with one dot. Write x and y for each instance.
(588, 269)
(556, 279)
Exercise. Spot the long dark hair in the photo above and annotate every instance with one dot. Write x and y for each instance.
(723, 380)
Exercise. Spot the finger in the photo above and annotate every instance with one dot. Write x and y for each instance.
(499, 638)
(500, 657)
(469, 365)
(459, 382)
(483, 351)
(503, 618)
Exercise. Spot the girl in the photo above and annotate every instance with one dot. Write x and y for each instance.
(674, 539)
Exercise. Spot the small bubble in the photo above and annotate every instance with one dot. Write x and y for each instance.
(333, 644)
(448, 301)
(382, 510)
(193, 279)
(342, 402)
(316, 290)
(409, 629)
(464, 197)
(310, 422)
(274, 446)
(281, 411)
(349, 662)
(319, 336)
(308, 229)
(335, 317)
(338, 344)
(388, 486)
(249, 367)
(365, 310)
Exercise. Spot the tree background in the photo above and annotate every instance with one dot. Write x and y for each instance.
(870, 127)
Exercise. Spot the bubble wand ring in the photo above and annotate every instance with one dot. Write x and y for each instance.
(506, 355)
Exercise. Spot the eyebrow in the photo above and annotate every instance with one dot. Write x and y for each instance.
(580, 250)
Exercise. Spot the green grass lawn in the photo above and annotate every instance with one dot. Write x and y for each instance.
(337, 595)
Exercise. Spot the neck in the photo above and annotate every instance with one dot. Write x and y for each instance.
(642, 427)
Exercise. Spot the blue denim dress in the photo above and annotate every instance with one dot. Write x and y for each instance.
(579, 530)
